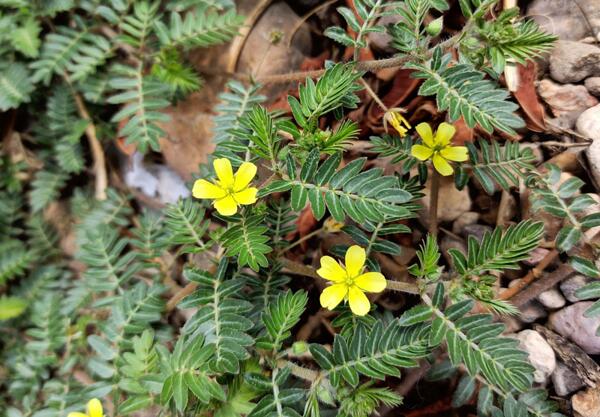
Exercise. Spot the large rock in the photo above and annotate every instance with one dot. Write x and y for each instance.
(565, 380)
(593, 157)
(465, 219)
(572, 324)
(564, 19)
(567, 101)
(571, 62)
(586, 403)
(540, 353)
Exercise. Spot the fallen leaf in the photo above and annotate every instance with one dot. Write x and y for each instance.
(527, 97)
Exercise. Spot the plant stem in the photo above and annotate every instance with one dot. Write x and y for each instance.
(302, 239)
(433, 203)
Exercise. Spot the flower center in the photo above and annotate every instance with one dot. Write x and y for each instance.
(349, 281)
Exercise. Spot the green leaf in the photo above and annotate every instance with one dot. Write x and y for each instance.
(15, 86)
(568, 237)
(584, 266)
(25, 38)
(279, 317)
(11, 307)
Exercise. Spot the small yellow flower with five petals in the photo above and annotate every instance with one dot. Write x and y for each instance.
(230, 190)
(93, 409)
(437, 147)
(397, 121)
(349, 283)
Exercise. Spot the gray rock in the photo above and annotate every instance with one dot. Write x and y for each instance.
(561, 18)
(532, 311)
(470, 217)
(593, 85)
(570, 285)
(593, 154)
(571, 323)
(574, 61)
(588, 124)
(540, 353)
(551, 299)
(565, 380)
(475, 230)
(380, 40)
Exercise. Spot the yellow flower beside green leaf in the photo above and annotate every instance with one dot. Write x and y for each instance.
(230, 190)
(438, 148)
(397, 121)
(348, 282)
(93, 409)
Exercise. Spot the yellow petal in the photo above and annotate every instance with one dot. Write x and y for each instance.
(244, 175)
(226, 206)
(444, 134)
(205, 189)
(224, 171)
(441, 165)
(333, 295)
(247, 196)
(359, 303)
(397, 120)
(424, 130)
(371, 282)
(355, 260)
(455, 153)
(76, 414)
(331, 270)
(421, 152)
(94, 408)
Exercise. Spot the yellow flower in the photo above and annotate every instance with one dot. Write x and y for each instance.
(438, 148)
(94, 409)
(349, 283)
(331, 225)
(230, 190)
(396, 120)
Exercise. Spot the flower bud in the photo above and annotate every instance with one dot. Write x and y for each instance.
(300, 348)
(434, 28)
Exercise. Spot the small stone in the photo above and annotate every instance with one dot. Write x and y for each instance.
(588, 124)
(171, 186)
(476, 230)
(532, 312)
(448, 242)
(540, 353)
(571, 62)
(452, 203)
(536, 256)
(586, 403)
(593, 154)
(570, 285)
(567, 101)
(571, 323)
(552, 299)
(470, 217)
(593, 85)
(565, 380)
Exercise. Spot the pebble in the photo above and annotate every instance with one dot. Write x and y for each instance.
(570, 285)
(593, 153)
(572, 324)
(593, 85)
(552, 299)
(586, 403)
(540, 353)
(565, 380)
(571, 62)
(567, 101)
(588, 124)
(476, 230)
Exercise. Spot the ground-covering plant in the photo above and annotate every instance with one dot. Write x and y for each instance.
(100, 326)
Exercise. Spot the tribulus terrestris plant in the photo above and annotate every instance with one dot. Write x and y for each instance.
(101, 328)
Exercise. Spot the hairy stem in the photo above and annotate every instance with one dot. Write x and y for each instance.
(433, 203)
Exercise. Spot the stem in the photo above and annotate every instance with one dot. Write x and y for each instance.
(373, 95)
(302, 239)
(433, 203)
